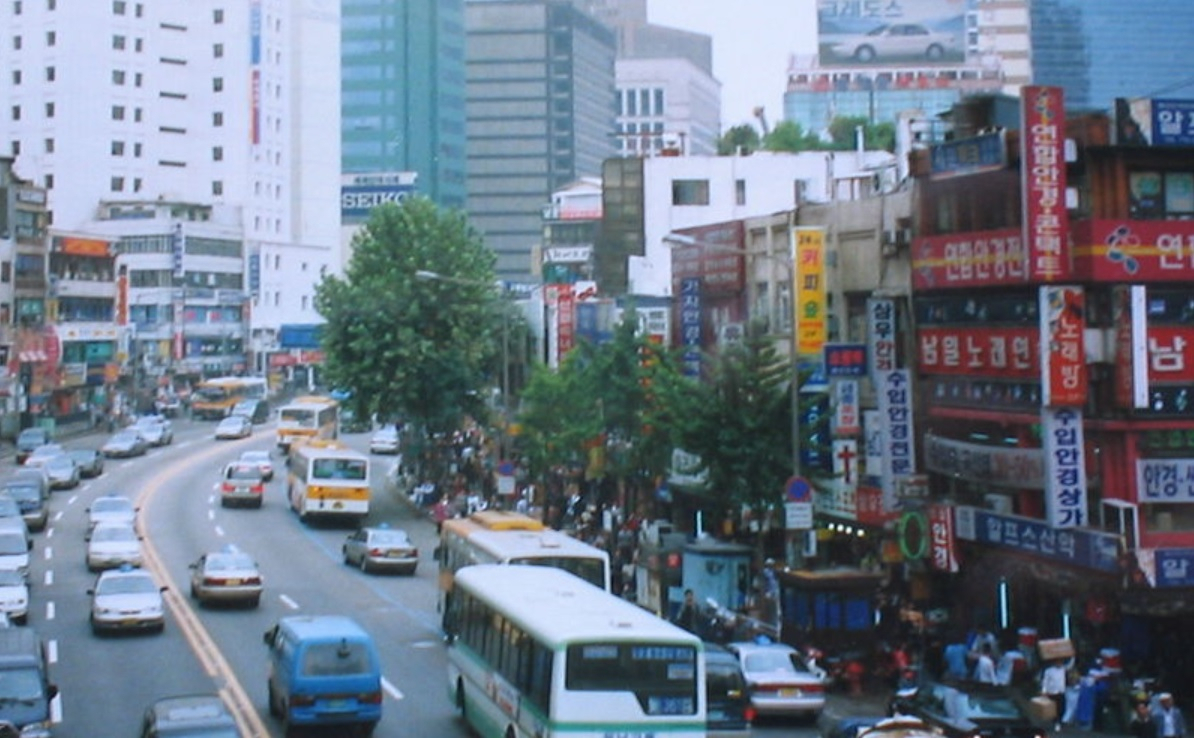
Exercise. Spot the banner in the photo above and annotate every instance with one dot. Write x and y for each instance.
(976, 259)
(1007, 353)
(811, 301)
(942, 546)
(899, 439)
(690, 325)
(881, 336)
(847, 418)
(1043, 183)
(1063, 350)
(1065, 467)
(1130, 323)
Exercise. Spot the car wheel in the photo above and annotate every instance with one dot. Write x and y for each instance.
(273, 701)
(934, 52)
(21, 619)
(864, 54)
(364, 564)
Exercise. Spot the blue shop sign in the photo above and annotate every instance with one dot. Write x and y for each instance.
(1077, 547)
(1175, 567)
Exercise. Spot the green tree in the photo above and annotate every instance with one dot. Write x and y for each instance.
(740, 139)
(740, 424)
(790, 136)
(876, 136)
(408, 346)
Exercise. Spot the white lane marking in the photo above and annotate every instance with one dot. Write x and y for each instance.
(219, 531)
(426, 644)
(391, 689)
(211, 514)
(50, 610)
(57, 516)
(52, 650)
(211, 500)
(72, 499)
(56, 709)
(49, 531)
(48, 552)
(48, 577)
(288, 602)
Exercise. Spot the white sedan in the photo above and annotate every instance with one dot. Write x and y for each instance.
(126, 599)
(234, 426)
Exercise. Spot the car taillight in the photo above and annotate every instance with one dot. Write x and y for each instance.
(812, 688)
(227, 486)
(257, 489)
(302, 700)
(749, 713)
(213, 581)
(252, 580)
(376, 552)
(369, 698)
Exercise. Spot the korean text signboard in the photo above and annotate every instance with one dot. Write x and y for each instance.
(976, 259)
(1165, 480)
(1084, 548)
(690, 325)
(1043, 182)
(881, 336)
(1065, 467)
(1139, 251)
(1129, 320)
(899, 443)
(1063, 352)
(847, 415)
(1005, 352)
(811, 301)
(942, 546)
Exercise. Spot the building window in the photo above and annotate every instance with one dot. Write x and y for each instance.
(217, 153)
(740, 191)
(137, 79)
(49, 145)
(117, 112)
(690, 192)
(217, 51)
(138, 44)
(117, 184)
(631, 103)
(217, 16)
(118, 43)
(16, 7)
(136, 184)
(51, 74)
(16, 112)
(217, 188)
(137, 150)
(137, 114)
(15, 148)
(644, 102)
(138, 9)
(51, 38)
(118, 7)
(659, 101)
(1156, 195)
(49, 183)
(217, 84)
(50, 109)
(51, 4)
(118, 148)
(118, 76)
(16, 76)
(304, 302)
(217, 119)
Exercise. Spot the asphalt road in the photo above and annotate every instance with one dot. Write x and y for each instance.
(107, 682)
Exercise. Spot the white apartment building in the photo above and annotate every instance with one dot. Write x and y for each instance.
(688, 191)
(230, 104)
(666, 104)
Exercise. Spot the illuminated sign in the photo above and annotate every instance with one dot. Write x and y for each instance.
(1065, 467)
(357, 201)
(1063, 354)
(979, 259)
(1043, 183)
(977, 350)
(1135, 250)
(811, 303)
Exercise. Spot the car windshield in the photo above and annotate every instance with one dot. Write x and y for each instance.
(126, 585)
(255, 456)
(777, 660)
(388, 538)
(981, 706)
(111, 505)
(23, 491)
(11, 578)
(230, 562)
(339, 469)
(243, 472)
(12, 544)
(20, 684)
(125, 437)
(60, 462)
(113, 533)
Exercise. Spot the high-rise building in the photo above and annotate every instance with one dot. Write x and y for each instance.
(541, 104)
(402, 71)
(1098, 50)
(210, 105)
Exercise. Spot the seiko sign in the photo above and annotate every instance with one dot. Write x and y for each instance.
(356, 202)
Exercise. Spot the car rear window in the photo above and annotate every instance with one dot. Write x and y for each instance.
(243, 472)
(335, 659)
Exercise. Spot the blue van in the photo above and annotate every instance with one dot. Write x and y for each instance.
(323, 670)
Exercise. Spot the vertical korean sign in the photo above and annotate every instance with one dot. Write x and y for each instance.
(1043, 182)
(255, 72)
(1063, 352)
(565, 318)
(899, 443)
(690, 325)
(811, 302)
(1065, 467)
(942, 544)
(1129, 318)
(881, 337)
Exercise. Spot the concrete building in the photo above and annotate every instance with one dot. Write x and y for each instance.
(402, 73)
(667, 106)
(646, 199)
(179, 102)
(541, 105)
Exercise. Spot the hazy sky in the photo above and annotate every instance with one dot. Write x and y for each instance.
(752, 41)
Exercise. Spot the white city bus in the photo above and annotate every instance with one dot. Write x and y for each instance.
(306, 418)
(536, 651)
(503, 537)
(328, 479)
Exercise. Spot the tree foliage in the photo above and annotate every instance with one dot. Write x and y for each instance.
(739, 140)
(790, 136)
(410, 346)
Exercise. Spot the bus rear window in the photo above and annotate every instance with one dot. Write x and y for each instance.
(662, 676)
(590, 570)
(339, 469)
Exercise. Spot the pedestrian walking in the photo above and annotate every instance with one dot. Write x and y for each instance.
(686, 616)
(1053, 687)
(1141, 725)
(1168, 718)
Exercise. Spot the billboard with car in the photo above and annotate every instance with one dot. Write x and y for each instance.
(871, 33)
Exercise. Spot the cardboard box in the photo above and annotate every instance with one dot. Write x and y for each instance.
(1055, 648)
(1042, 710)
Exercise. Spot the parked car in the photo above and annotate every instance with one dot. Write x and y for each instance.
(126, 599)
(234, 426)
(89, 460)
(385, 440)
(28, 440)
(381, 548)
(14, 596)
(125, 443)
(780, 680)
(897, 40)
(227, 575)
(970, 710)
(189, 716)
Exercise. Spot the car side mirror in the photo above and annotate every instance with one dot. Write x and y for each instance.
(29, 545)
(51, 691)
(91, 591)
(163, 589)
(269, 636)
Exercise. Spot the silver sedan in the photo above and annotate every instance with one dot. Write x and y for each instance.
(381, 548)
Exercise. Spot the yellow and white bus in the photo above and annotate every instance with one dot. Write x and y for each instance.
(327, 479)
(535, 651)
(502, 537)
(306, 418)
(213, 399)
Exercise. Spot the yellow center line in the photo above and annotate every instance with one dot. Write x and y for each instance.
(200, 641)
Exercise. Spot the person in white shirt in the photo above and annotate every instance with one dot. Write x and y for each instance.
(1053, 687)
(984, 668)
